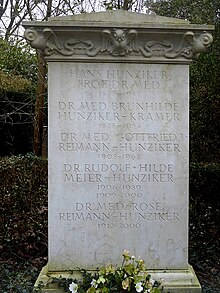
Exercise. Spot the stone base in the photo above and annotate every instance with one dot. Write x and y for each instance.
(178, 281)
(175, 281)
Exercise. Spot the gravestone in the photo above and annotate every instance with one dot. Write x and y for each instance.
(118, 145)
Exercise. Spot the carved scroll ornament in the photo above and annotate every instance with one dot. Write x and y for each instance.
(118, 42)
(189, 47)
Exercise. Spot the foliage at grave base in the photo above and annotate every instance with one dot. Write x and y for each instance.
(131, 276)
(17, 278)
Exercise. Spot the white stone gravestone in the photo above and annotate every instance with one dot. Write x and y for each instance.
(118, 140)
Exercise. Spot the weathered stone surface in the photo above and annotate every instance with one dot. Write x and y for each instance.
(118, 172)
(118, 17)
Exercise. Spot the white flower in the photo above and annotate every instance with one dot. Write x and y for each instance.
(94, 283)
(126, 255)
(101, 279)
(73, 287)
(139, 287)
(152, 282)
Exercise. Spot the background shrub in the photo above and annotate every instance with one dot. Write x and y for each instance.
(18, 79)
(23, 194)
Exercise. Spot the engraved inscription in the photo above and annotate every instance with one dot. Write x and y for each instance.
(118, 214)
(118, 112)
(118, 82)
(119, 136)
(119, 173)
(119, 74)
(129, 141)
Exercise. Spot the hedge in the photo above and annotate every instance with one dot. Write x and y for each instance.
(23, 210)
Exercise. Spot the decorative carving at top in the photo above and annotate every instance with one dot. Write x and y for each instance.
(119, 43)
(200, 44)
(189, 47)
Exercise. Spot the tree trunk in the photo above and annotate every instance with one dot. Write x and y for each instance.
(39, 106)
(41, 90)
(126, 4)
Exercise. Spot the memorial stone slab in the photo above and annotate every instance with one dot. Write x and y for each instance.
(119, 140)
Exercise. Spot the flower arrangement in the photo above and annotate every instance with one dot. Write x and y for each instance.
(131, 277)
